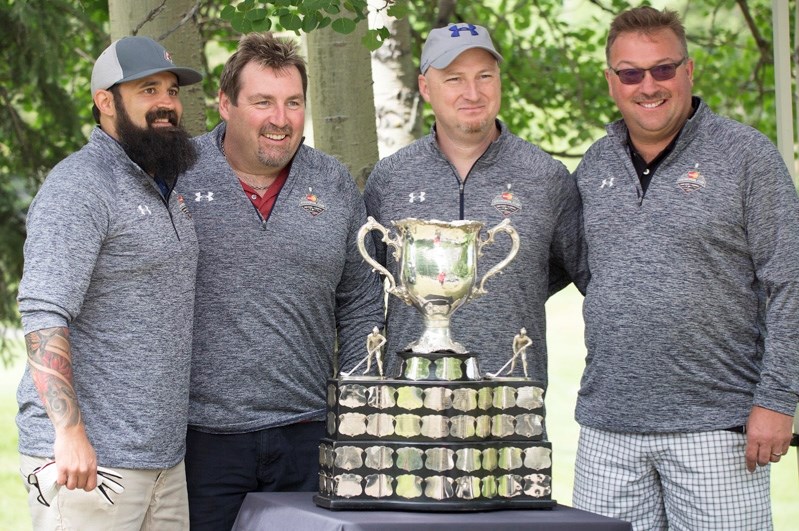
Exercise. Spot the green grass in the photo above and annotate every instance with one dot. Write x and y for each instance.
(14, 514)
(566, 362)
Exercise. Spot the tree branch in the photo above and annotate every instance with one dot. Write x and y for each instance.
(150, 16)
(762, 44)
(446, 10)
(188, 16)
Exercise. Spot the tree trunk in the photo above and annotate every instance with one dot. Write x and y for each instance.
(173, 24)
(342, 101)
(396, 91)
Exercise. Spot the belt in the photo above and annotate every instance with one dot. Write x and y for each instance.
(736, 429)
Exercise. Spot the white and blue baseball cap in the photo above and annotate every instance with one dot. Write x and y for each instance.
(443, 45)
(131, 58)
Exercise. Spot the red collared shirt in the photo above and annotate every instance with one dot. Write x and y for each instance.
(265, 202)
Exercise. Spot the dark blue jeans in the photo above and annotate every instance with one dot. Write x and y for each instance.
(222, 469)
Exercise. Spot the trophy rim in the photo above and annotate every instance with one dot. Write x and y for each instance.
(457, 223)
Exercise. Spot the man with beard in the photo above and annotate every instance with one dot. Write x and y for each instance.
(106, 300)
(280, 282)
(472, 167)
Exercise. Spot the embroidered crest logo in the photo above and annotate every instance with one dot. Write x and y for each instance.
(311, 203)
(692, 181)
(507, 203)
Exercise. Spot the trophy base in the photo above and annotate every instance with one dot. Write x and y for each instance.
(444, 506)
(435, 444)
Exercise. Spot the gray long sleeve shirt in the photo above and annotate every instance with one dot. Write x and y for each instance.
(692, 312)
(108, 258)
(273, 297)
(512, 179)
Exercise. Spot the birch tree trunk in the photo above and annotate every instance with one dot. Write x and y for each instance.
(398, 103)
(342, 101)
(173, 24)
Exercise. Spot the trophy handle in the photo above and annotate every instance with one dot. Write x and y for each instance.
(506, 227)
(370, 225)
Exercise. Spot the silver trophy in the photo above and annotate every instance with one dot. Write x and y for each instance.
(435, 435)
(438, 270)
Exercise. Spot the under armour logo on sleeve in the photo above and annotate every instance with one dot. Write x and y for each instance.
(607, 182)
(414, 196)
(199, 196)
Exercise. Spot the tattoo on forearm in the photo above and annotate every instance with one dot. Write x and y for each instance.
(50, 361)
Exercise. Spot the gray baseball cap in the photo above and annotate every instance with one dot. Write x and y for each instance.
(443, 45)
(131, 58)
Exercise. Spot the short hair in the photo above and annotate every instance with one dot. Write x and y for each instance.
(647, 20)
(267, 51)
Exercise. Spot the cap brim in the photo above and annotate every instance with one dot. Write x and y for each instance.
(186, 76)
(444, 60)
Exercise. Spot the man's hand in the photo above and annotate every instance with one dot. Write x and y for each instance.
(43, 478)
(768, 435)
(75, 459)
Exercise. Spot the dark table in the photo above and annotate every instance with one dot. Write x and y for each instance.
(295, 511)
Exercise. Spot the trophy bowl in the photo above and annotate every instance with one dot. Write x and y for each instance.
(437, 270)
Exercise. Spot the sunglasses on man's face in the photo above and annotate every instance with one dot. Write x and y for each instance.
(633, 76)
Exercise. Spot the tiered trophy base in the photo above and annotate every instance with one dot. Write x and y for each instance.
(436, 438)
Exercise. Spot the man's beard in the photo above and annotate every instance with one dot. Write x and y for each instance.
(276, 157)
(164, 152)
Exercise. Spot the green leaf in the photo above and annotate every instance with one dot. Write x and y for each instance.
(265, 24)
(240, 23)
(310, 22)
(315, 5)
(398, 10)
(359, 6)
(256, 14)
(325, 22)
(371, 40)
(291, 22)
(246, 5)
(344, 26)
(227, 13)
(333, 8)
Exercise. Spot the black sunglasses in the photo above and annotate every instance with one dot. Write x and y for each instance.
(633, 76)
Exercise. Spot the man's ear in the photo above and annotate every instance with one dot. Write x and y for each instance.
(224, 105)
(423, 88)
(104, 100)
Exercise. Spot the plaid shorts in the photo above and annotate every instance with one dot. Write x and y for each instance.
(676, 481)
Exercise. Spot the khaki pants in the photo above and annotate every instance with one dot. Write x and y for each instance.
(153, 500)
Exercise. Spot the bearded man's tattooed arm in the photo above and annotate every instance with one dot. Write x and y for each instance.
(50, 361)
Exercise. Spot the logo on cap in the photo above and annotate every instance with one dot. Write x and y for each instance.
(168, 56)
(456, 31)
